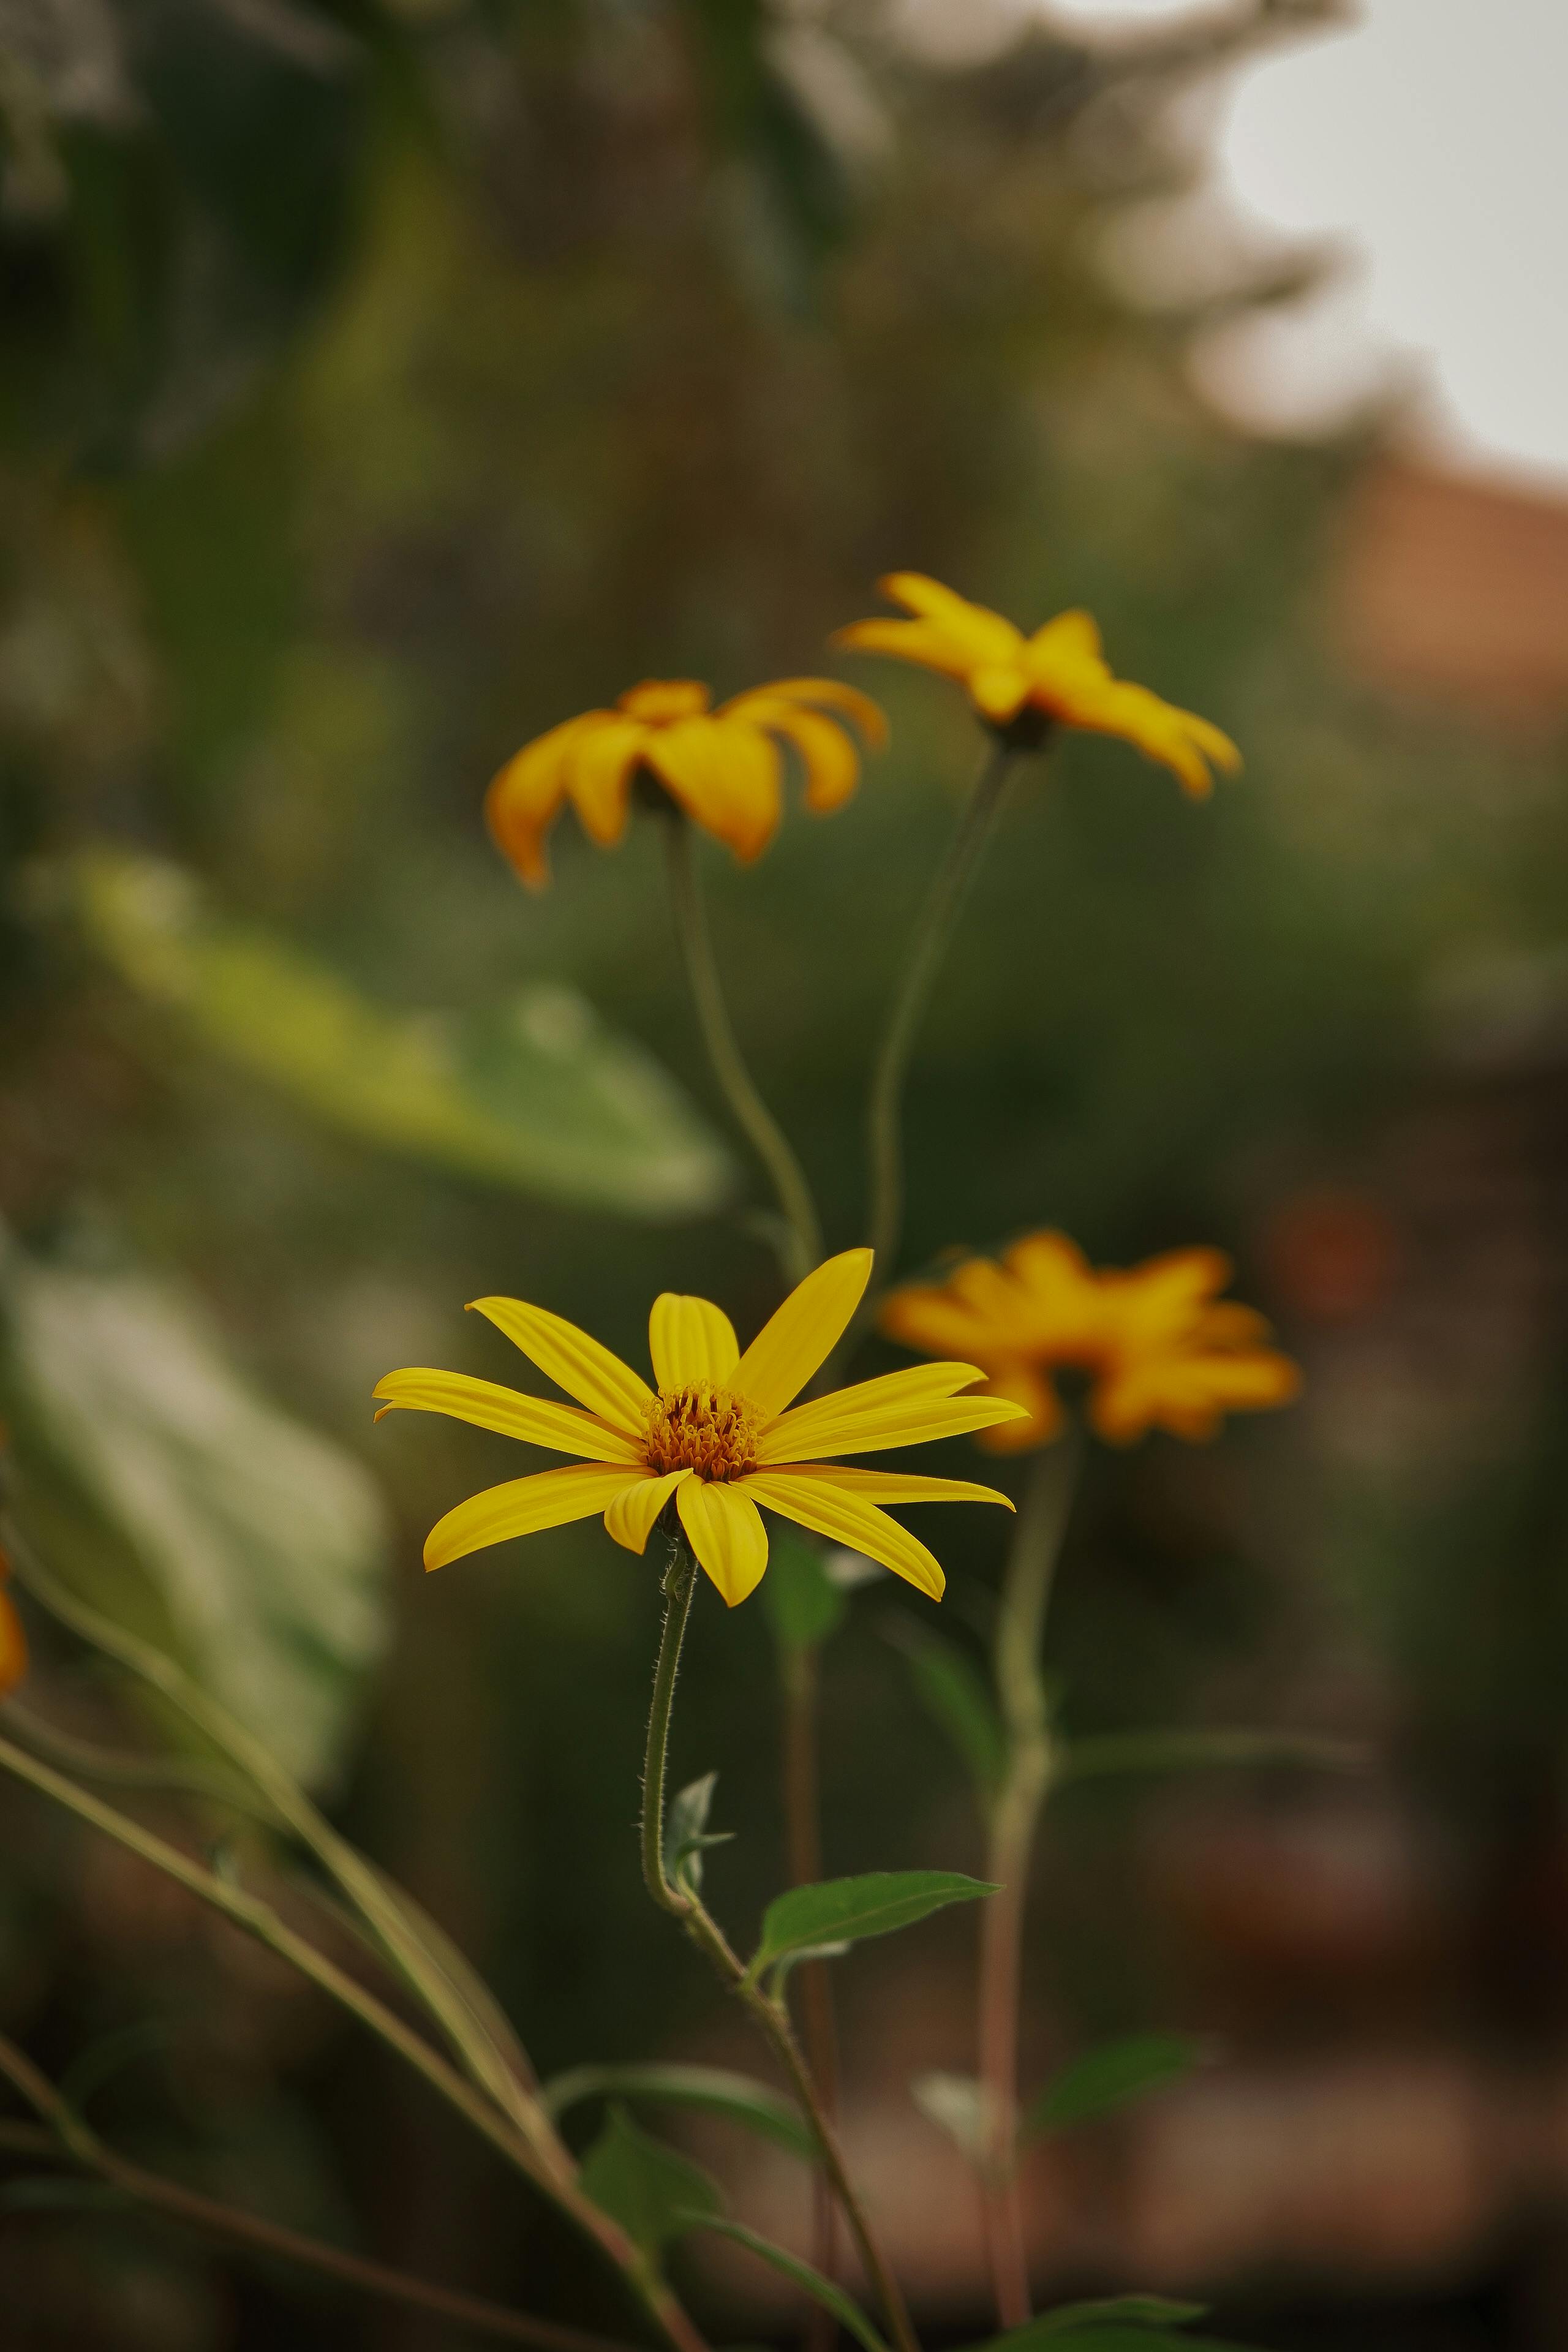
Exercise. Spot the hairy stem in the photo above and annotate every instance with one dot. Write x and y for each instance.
(71, 2137)
(1015, 1816)
(933, 934)
(768, 2014)
(751, 1115)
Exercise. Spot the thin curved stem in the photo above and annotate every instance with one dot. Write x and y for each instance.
(1015, 1817)
(769, 2014)
(750, 1113)
(68, 2136)
(933, 934)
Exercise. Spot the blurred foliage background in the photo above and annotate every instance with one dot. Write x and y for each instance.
(385, 380)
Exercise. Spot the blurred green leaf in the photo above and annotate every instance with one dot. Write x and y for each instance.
(714, 2088)
(804, 1605)
(686, 1833)
(822, 2291)
(958, 2105)
(536, 1093)
(187, 1506)
(1114, 2074)
(654, 2194)
(843, 1910)
(957, 1697)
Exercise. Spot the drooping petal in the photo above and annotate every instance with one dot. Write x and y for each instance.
(525, 794)
(691, 1340)
(832, 694)
(598, 772)
(829, 757)
(892, 1486)
(917, 1384)
(630, 1517)
(987, 635)
(574, 1361)
(802, 1333)
(833, 1511)
(725, 775)
(537, 1421)
(726, 1534)
(525, 1506)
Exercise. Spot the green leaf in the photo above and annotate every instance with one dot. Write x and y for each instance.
(843, 1910)
(802, 1602)
(959, 2106)
(685, 1832)
(811, 2281)
(655, 2195)
(1114, 2074)
(957, 1696)
(537, 1094)
(186, 1506)
(762, 2110)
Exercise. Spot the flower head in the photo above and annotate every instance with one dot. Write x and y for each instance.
(1019, 685)
(13, 1640)
(718, 1433)
(1159, 1348)
(722, 767)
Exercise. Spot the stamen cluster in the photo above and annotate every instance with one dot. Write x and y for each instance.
(702, 1428)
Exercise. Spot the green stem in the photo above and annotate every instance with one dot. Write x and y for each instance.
(751, 1115)
(799, 1667)
(1015, 1817)
(71, 2137)
(933, 934)
(768, 2014)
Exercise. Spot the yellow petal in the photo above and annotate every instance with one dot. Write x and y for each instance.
(726, 1534)
(913, 641)
(1072, 640)
(598, 772)
(832, 1511)
(13, 1647)
(524, 1505)
(725, 775)
(832, 693)
(631, 1516)
(999, 692)
(987, 636)
(870, 1431)
(537, 1421)
(691, 1340)
(574, 1361)
(892, 1486)
(1027, 1386)
(828, 755)
(525, 794)
(802, 1333)
(919, 1384)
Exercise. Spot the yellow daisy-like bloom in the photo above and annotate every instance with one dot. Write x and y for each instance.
(720, 1433)
(1019, 685)
(13, 1640)
(1160, 1349)
(723, 767)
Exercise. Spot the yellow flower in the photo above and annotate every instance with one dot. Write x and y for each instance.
(1020, 685)
(716, 1434)
(722, 767)
(13, 1640)
(1159, 1348)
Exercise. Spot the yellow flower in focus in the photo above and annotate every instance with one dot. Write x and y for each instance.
(13, 1640)
(718, 1432)
(1159, 1348)
(1019, 685)
(723, 767)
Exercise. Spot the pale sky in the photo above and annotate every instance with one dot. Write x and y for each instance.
(1428, 145)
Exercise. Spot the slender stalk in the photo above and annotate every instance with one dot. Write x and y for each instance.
(803, 1842)
(933, 933)
(751, 1115)
(71, 2137)
(769, 2014)
(555, 2177)
(1015, 1816)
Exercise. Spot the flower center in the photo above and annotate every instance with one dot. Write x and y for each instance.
(702, 1428)
(660, 701)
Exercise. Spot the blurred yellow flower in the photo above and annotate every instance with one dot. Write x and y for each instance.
(1020, 685)
(1159, 1348)
(722, 767)
(715, 1434)
(13, 1640)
